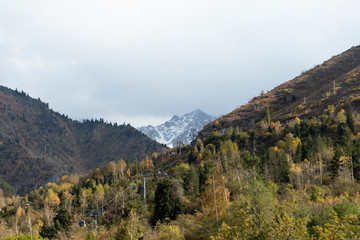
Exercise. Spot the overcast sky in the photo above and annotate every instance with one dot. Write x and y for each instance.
(143, 61)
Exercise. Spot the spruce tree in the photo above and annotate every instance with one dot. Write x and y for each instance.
(252, 141)
(283, 169)
(349, 117)
(191, 182)
(268, 116)
(356, 159)
(48, 231)
(63, 220)
(334, 165)
(167, 204)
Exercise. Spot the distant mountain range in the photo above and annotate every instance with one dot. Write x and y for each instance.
(178, 130)
(335, 82)
(38, 145)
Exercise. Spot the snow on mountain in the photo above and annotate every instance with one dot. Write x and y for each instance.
(178, 130)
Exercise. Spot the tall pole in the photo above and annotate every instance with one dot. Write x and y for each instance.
(95, 221)
(29, 218)
(144, 174)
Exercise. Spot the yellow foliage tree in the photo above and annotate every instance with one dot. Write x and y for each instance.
(215, 197)
(295, 174)
(146, 164)
(331, 110)
(121, 166)
(112, 168)
(18, 214)
(166, 232)
(52, 198)
(85, 196)
(2, 199)
(340, 117)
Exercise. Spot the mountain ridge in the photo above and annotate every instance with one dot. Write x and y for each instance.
(38, 145)
(179, 129)
(305, 96)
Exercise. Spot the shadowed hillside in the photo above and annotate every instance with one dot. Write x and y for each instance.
(38, 145)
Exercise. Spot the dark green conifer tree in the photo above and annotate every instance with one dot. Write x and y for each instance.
(252, 142)
(167, 204)
(63, 219)
(250, 161)
(48, 231)
(306, 148)
(268, 116)
(191, 182)
(356, 159)
(298, 154)
(349, 117)
(283, 169)
(193, 154)
(297, 132)
(334, 165)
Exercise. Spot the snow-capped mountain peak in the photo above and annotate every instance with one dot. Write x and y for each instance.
(178, 130)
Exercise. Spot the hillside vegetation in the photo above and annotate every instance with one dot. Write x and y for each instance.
(297, 180)
(334, 82)
(38, 145)
(292, 173)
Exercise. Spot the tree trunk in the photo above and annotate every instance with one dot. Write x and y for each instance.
(321, 170)
(351, 169)
(216, 212)
(16, 225)
(29, 221)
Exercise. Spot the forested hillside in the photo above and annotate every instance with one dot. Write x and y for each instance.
(294, 180)
(334, 82)
(38, 145)
(284, 166)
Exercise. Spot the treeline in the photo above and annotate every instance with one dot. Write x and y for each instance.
(294, 180)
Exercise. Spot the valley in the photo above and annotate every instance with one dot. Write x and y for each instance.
(286, 165)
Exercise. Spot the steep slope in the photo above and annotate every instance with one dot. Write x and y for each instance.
(177, 130)
(38, 145)
(334, 82)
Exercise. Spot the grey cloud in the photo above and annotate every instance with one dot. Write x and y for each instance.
(148, 60)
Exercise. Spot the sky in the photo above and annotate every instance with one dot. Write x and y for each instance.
(141, 62)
